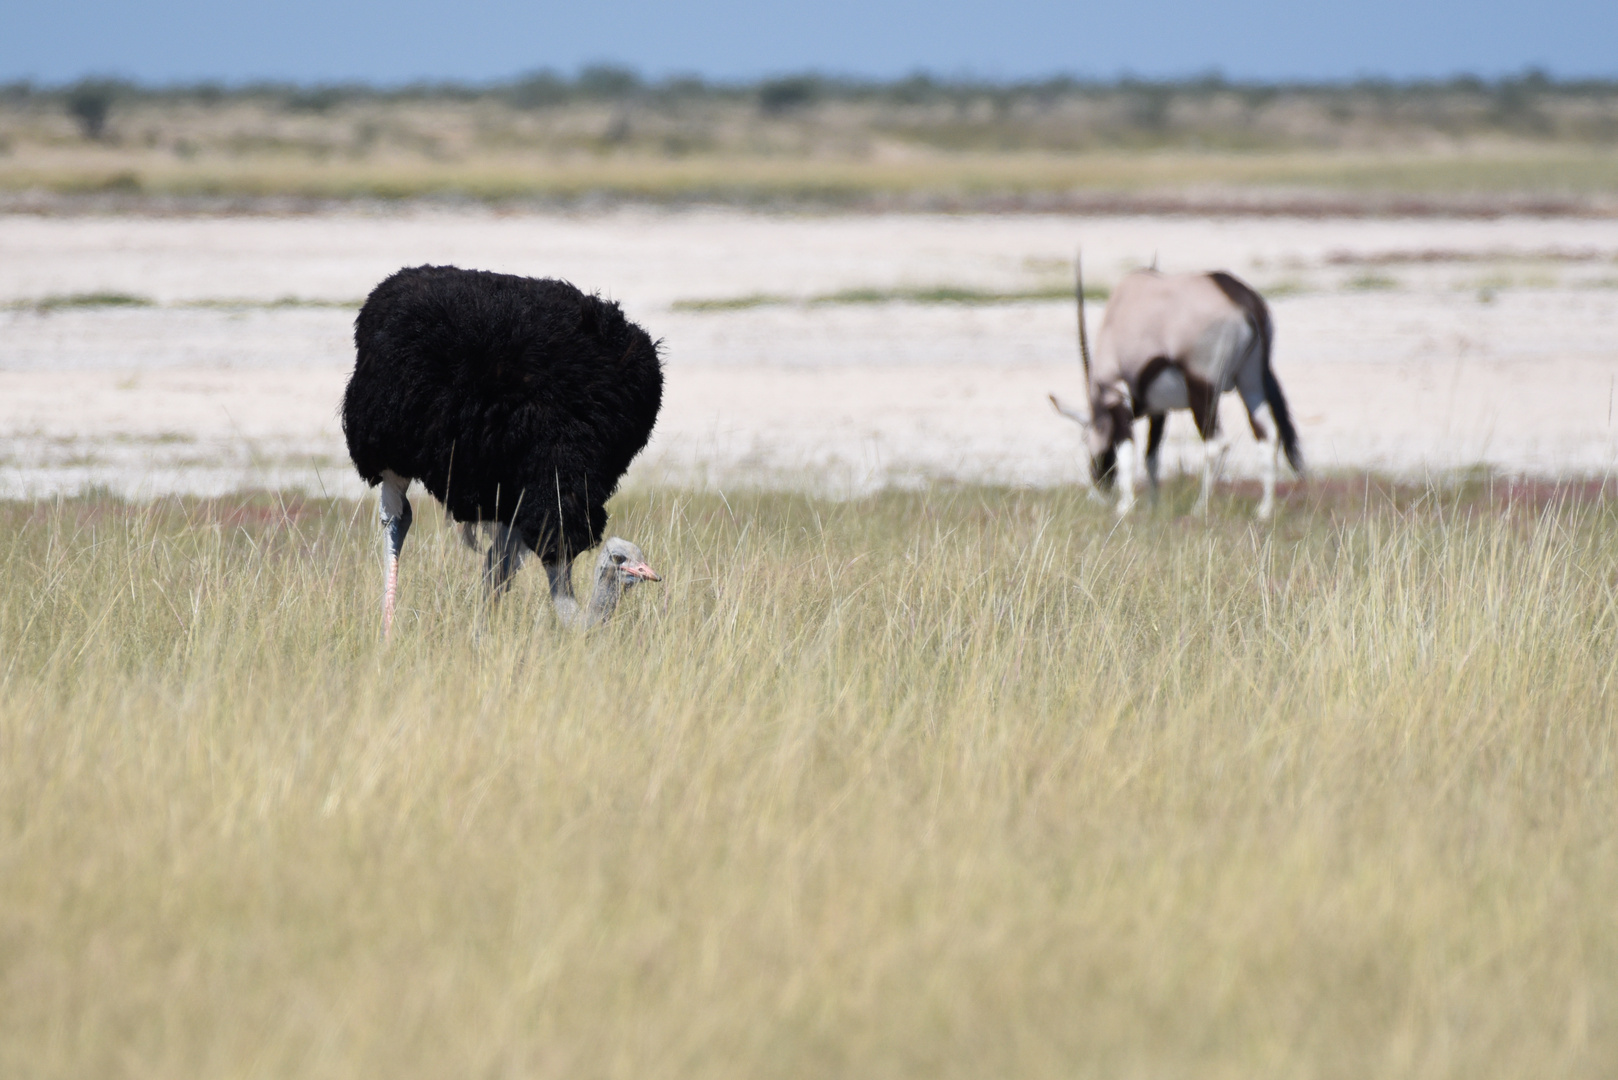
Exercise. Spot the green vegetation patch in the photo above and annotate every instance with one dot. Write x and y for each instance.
(924, 294)
(943, 294)
(733, 303)
(46, 304)
(269, 305)
(1288, 287)
(1371, 282)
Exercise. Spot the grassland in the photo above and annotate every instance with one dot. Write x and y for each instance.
(1514, 143)
(1556, 177)
(962, 782)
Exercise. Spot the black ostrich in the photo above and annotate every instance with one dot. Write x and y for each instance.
(518, 402)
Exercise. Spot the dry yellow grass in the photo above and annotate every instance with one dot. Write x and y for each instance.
(963, 782)
(1490, 170)
(1524, 144)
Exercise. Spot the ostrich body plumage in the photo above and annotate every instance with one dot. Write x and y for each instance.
(517, 402)
(511, 399)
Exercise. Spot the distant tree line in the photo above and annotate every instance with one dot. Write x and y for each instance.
(1510, 100)
(605, 82)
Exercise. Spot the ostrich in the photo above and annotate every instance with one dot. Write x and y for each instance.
(518, 403)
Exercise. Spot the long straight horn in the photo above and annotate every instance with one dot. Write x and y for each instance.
(1078, 291)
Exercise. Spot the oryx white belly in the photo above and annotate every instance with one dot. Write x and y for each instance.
(1219, 352)
(1166, 391)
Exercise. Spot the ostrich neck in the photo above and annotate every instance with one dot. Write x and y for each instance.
(597, 610)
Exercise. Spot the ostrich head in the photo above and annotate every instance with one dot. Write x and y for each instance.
(620, 567)
(622, 564)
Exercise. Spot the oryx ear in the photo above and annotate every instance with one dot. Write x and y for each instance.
(1082, 421)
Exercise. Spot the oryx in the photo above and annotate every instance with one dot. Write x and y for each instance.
(1178, 341)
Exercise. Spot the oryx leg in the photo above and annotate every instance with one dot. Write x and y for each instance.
(1126, 476)
(1154, 443)
(394, 510)
(504, 558)
(1213, 463)
(1163, 387)
(1250, 384)
(1204, 401)
(1119, 433)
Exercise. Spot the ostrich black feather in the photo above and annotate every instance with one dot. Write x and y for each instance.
(511, 399)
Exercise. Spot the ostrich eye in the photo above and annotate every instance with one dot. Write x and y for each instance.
(619, 559)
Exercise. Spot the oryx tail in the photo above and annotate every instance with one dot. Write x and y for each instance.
(1258, 317)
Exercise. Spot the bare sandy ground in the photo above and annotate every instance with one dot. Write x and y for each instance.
(1405, 346)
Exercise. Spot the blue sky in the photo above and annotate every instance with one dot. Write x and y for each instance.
(392, 41)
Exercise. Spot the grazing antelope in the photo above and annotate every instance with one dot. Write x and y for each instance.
(1178, 341)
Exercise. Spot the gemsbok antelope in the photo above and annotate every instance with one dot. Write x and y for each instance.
(1178, 341)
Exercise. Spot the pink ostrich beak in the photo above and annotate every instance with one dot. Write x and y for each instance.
(642, 571)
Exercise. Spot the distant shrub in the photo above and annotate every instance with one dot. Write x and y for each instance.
(539, 89)
(607, 81)
(783, 95)
(316, 99)
(914, 89)
(89, 102)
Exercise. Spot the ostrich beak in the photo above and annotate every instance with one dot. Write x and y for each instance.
(642, 571)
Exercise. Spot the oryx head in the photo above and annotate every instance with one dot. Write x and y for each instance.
(1100, 436)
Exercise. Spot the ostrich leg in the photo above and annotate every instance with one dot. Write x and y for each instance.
(504, 559)
(559, 571)
(396, 515)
